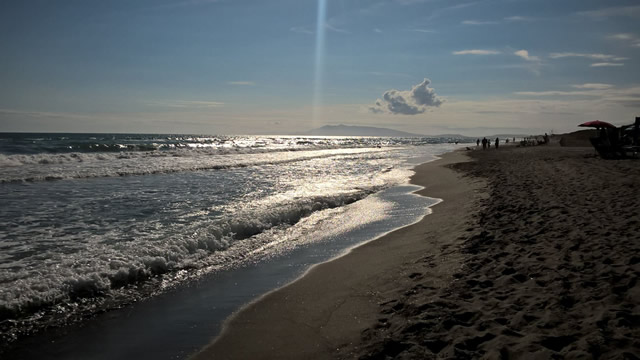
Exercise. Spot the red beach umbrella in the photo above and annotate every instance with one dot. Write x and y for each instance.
(597, 124)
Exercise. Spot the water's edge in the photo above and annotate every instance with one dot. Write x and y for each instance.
(178, 317)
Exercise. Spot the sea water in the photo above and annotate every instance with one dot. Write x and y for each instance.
(94, 222)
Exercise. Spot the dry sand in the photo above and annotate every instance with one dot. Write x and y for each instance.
(532, 254)
(551, 268)
(323, 314)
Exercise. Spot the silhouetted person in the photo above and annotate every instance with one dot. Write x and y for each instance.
(489, 144)
(497, 143)
(484, 143)
(478, 142)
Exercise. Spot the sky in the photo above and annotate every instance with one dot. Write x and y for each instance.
(286, 66)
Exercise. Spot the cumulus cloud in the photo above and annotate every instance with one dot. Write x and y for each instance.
(525, 55)
(476, 52)
(408, 102)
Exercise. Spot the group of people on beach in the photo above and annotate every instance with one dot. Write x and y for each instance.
(486, 143)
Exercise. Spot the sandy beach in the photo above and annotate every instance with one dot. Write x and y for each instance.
(550, 270)
(532, 254)
(324, 313)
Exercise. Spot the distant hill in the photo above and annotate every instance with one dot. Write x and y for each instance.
(346, 130)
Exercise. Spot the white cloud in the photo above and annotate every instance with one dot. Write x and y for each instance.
(245, 83)
(556, 93)
(589, 56)
(630, 38)
(596, 96)
(606, 64)
(518, 18)
(376, 30)
(594, 86)
(335, 29)
(477, 22)
(476, 52)
(617, 11)
(408, 102)
(623, 36)
(525, 55)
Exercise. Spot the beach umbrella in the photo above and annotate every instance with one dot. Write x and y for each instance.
(597, 124)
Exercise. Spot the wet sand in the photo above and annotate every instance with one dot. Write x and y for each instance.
(323, 314)
(534, 253)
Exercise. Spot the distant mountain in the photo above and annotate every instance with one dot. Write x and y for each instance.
(346, 130)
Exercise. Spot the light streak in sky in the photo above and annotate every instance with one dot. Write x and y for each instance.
(320, 34)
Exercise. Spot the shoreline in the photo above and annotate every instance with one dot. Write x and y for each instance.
(324, 312)
(181, 328)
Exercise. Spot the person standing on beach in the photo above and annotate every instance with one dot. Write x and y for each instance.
(497, 143)
(484, 143)
(489, 143)
(477, 142)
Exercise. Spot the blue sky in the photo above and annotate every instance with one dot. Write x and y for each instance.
(245, 66)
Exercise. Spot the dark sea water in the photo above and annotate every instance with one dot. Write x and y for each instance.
(94, 222)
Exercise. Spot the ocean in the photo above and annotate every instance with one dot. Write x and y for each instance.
(93, 224)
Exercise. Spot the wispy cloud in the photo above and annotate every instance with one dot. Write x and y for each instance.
(376, 30)
(616, 11)
(242, 83)
(196, 104)
(589, 56)
(336, 29)
(556, 93)
(525, 55)
(606, 64)
(422, 30)
(627, 37)
(508, 19)
(439, 12)
(593, 86)
(598, 95)
(518, 18)
(476, 52)
(478, 22)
